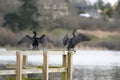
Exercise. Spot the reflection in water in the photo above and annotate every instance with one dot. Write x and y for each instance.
(92, 73)
(96, 73)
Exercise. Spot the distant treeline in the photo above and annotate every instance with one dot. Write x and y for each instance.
(19, 15)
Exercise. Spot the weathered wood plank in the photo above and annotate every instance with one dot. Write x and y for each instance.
(54, 70)
(70, 65)
(45, 66)
(19, 64)
(32, 71)
(25, 62)
(36, 70)
(8, 53)
(7, 72)
(64, 64)
(25, 58)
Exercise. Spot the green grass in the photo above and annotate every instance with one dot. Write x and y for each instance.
(11, 78)
(14, 78)
(94, 38)
(31, 79)
(49, 66)
(59, 31)
(112, 38)
(108, 38)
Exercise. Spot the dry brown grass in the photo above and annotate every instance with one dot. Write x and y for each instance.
(7, 37)
(99, 33)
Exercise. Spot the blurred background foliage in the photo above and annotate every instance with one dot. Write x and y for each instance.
(21, 16)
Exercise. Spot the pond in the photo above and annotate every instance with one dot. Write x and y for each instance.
(88, 64)
(81, 57)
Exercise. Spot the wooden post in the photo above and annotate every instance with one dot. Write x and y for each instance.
(19, 66)
(25, 63)
(70, 65)
(64, 64)
(45, 66)
(24, 59)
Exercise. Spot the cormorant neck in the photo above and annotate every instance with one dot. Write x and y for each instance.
(34, 35)
(74, 33)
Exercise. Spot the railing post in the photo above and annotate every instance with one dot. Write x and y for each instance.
(25, 58)
(70, 65)
(19, 60)
(45, 66)
(64, 64)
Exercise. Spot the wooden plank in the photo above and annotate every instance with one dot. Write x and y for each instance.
(70, 65)
(19, 60)
(41, 52)
(23, 52)
(32, 71)
(7, 72)
(64, 64)
(57, 52)
(7, 53)
(45, 66)
(32, 52)
(54, 70)
(25, 58)
(36, 70)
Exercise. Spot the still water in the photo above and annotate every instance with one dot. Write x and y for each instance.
(88, 64)
(82, 57)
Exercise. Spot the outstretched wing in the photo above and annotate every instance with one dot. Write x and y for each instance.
(65, 40)
(76, 40)
(25, 39)
(48, 40)
(44, 39)
(79, 39)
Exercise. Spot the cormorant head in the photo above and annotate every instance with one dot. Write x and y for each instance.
(34, 32)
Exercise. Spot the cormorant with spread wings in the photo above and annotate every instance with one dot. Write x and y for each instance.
(43, 39)
(73, 41)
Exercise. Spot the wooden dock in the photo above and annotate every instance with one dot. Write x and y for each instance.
(21, 60)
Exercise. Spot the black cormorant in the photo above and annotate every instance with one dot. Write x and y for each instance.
(73, 41)
(43, 39)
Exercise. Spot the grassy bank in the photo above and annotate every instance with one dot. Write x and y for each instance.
(100, 39)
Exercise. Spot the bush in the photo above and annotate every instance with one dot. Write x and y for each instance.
(7, 37)
(111, 45)
(73, 22)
